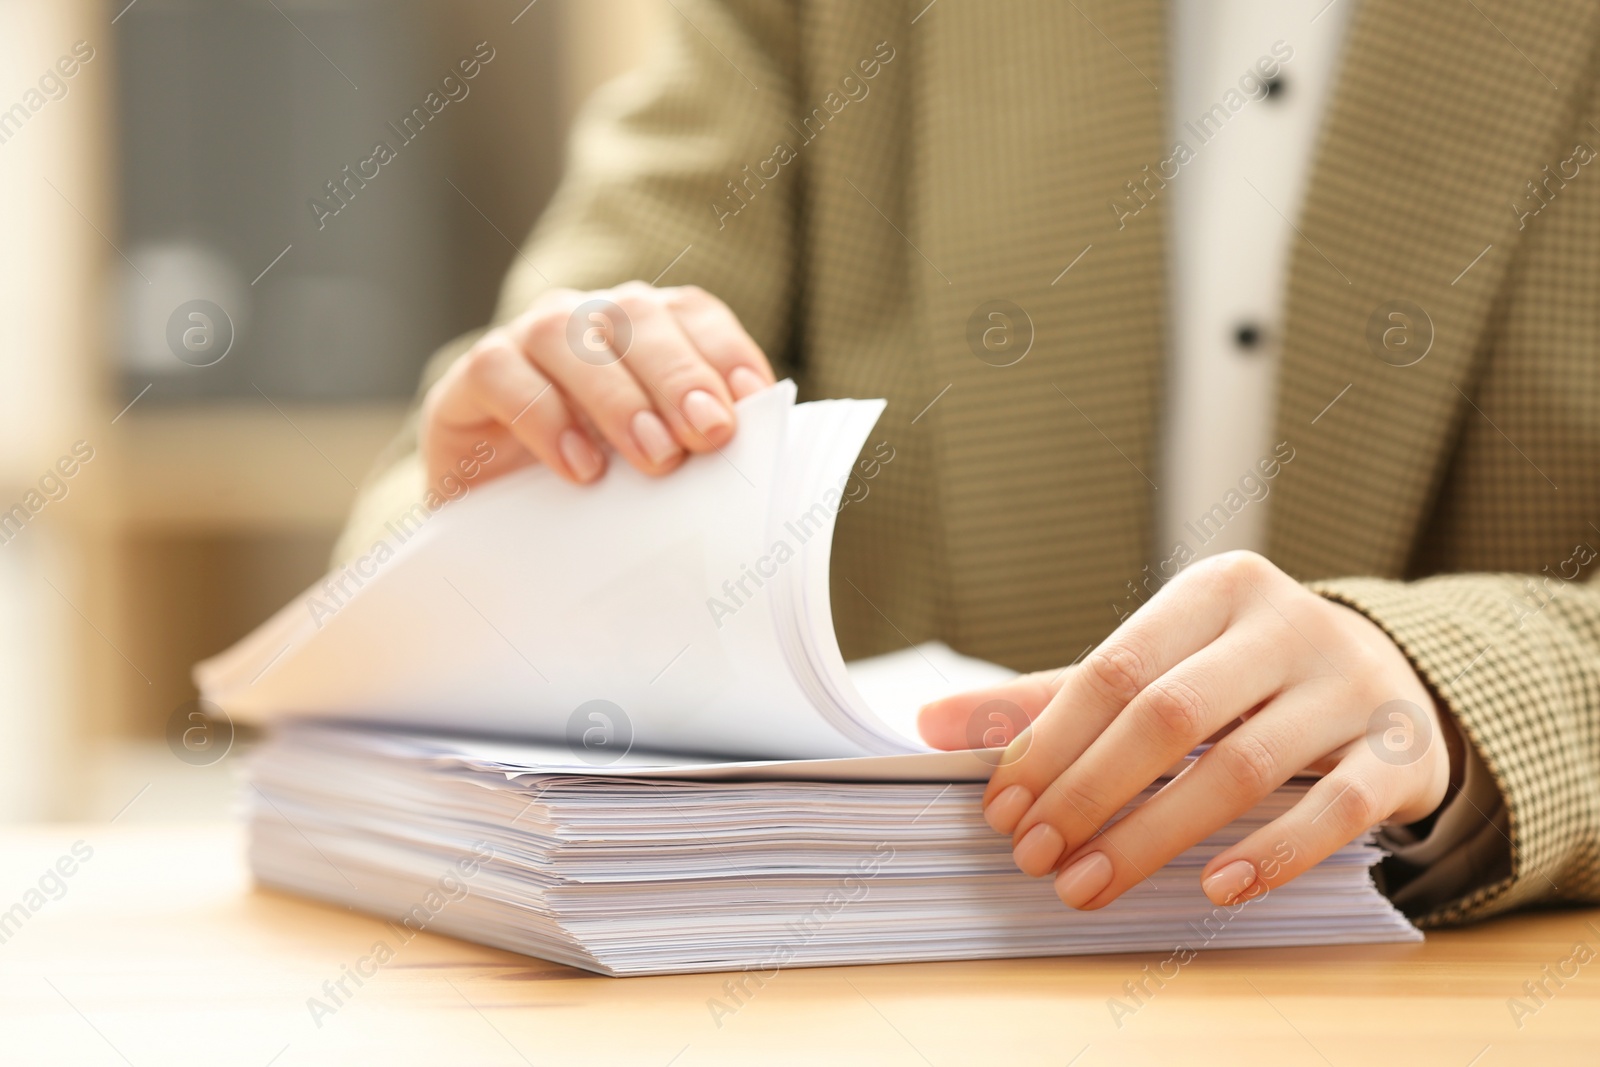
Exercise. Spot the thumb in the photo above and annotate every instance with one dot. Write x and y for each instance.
(966, 720)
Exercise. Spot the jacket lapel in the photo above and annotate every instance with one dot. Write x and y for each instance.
(1044, 312)
(1445, 111)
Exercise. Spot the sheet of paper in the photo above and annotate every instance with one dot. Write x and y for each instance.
(635, 607)
(897, 684)
(521, 759)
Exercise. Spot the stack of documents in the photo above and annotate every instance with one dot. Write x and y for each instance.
(658, 866)
(599, 627)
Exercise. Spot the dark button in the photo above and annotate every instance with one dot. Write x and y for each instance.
(1247, 335)
(1275, 88)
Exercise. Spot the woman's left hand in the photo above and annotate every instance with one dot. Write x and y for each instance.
(1235, 651)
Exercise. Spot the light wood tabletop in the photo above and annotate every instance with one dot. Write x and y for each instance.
(156, 950)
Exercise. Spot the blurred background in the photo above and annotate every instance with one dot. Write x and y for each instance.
(215, 298)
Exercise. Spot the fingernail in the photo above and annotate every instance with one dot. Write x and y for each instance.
(1084, 880)
(1007, 809)
(651, 435)
(744, 381)
(1224, 885)
(584, 462)
(1038, 850)
(706, 413)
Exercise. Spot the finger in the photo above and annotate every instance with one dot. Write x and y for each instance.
(496, 380)
(1160, 726)
(1335, 811)
(598, 385)
(687, 391)
(721, 339)
(949, 723)
(1228, 780)
(475, 454)
(1184, 617)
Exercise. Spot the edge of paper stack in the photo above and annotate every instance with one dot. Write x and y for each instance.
(626, 872)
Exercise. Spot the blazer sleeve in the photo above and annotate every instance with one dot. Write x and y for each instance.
(1515, 660)
(655, 160)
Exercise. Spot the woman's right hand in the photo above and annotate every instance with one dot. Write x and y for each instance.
(652, 372)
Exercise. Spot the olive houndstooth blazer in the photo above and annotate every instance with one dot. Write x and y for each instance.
(937, 158)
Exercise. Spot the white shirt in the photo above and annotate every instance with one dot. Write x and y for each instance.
(1230, 239)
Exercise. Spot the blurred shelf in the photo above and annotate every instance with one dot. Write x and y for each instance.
(243, 466)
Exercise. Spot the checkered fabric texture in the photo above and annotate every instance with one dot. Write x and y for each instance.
(981, 163)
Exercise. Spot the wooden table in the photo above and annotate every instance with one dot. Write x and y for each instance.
(158, 951)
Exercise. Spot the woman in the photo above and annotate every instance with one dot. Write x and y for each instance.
(1059, 240)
